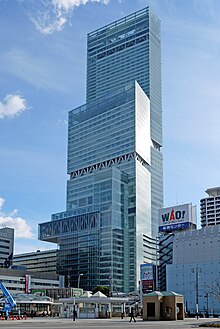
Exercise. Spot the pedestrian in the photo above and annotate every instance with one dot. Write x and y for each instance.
(131, 314)
(6, 315)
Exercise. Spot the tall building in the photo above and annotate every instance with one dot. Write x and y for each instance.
(6, 246)
(210, 207)
(114, 159)
(126, 50)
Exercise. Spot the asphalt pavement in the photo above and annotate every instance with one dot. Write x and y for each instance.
(55, 323)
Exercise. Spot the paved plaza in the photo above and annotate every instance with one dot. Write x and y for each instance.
(55, 323)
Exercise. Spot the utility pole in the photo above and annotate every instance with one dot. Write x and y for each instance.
(196, 271)
(207, 304)
(197, 292)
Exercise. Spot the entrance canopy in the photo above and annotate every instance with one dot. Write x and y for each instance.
(97, 305)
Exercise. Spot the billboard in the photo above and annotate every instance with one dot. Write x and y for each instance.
(177, 218)
(146, 277)
(39, 292)
(77, 292)
(147, 286)
(146, 272)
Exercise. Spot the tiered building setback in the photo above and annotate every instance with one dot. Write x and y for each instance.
(115, 185)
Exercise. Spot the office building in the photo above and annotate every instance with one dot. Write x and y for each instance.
(39, 261)
(210, 207)
(195, 269)
(114, 160)
(6, 246)
(23, 281)
(126, 50)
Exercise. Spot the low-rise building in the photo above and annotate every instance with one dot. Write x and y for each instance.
(39, 261)
(195, 269)
(23, 281)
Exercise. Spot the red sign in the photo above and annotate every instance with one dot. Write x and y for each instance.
(27, 284)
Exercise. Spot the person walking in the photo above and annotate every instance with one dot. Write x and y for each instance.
(6, 315)
(132, 316)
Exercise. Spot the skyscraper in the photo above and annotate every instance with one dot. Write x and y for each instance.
(126, 50)
(114, 159)
(210, 207)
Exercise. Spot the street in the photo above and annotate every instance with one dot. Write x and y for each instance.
(56, 323)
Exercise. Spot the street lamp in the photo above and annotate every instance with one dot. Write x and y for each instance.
(74, 307)
(81, 274)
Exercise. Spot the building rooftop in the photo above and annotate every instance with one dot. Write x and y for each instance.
(213, 191)
(163, 293)
(29, 298)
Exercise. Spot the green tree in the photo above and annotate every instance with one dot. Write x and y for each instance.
(103, 289)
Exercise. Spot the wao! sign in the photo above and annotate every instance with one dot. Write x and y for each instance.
(176, 218)
(173, 215)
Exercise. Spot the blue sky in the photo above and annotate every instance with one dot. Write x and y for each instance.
(43, 76)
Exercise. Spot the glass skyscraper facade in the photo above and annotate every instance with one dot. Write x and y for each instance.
(114, 159)
(129, 49)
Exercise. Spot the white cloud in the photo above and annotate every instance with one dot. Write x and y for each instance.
(67, 5)
(53, 14)
(2, 201)
(12, 105)
(21, 227)
(48, 25)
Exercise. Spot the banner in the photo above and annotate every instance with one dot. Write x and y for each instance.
(27, 284)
